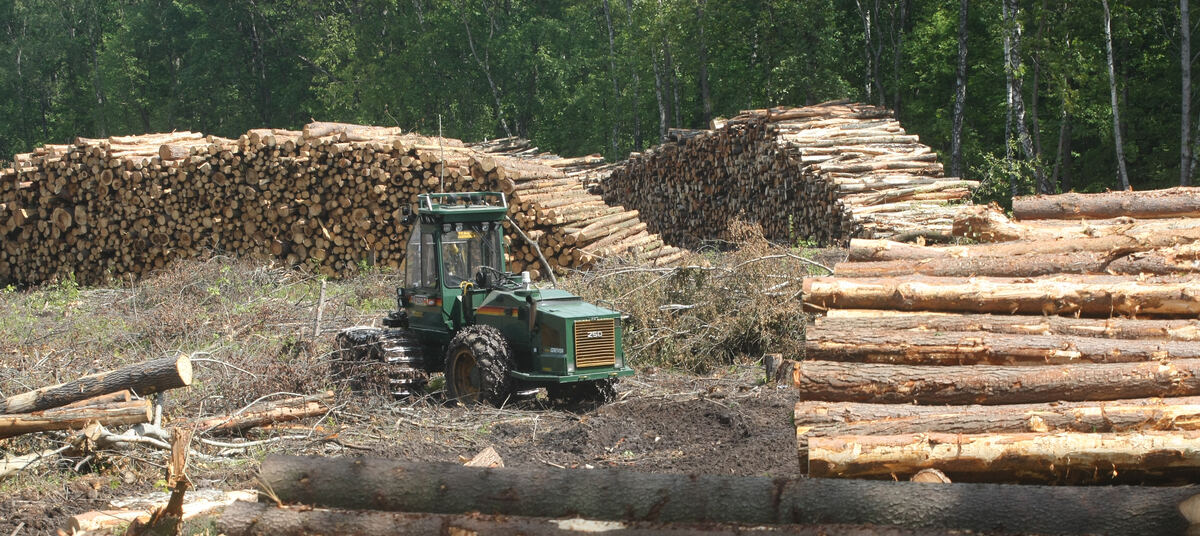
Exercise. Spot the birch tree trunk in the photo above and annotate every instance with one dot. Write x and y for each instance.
(704, 90)
(1012, 11)
(612, 69)
(1122, 175)
(637, 101)
(960, 93)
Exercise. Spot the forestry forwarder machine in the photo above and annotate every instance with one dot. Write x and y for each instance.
(491, 332)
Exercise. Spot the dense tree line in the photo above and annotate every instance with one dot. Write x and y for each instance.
(1024, 94)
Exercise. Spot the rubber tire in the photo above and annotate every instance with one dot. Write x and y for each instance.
(493, 360)
(594, 392)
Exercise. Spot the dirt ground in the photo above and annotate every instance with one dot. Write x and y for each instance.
(726, 423)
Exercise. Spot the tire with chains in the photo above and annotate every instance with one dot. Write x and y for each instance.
(382, 360)
(493, 360)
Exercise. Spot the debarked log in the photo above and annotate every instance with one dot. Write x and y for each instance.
(1108, 328)
(912, 347)
(1066, 457)
(1180, 202)
(607, 494)
(1086, 295)
(993, 384)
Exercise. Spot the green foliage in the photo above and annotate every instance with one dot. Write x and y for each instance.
(545, 70)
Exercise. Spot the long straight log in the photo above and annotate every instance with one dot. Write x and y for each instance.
(993, 384)
(971, 348)
(884, 250)
(259, 519)
(1107, 328)
(141, 378)
(1077, 295)
(815, 418)
(987, 223)
(1179, 202)
(606, 494)
(1158, 262)
(1064, 457)
(114, 413)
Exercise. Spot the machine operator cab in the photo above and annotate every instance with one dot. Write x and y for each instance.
(456, 241)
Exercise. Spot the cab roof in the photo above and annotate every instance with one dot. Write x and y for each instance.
(463, 207)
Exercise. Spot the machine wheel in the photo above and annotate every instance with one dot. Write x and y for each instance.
(477, 364)
(594, 392)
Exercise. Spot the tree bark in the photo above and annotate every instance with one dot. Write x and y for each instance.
(1106, 328)
(987, 223)
(993, 384)
(114, 413)
(1063, 457)
(254, 519)
(1062, 164)
(612, 70)
(705, 97)
(1178, 202)
(1122, 175)
(855, 418)
(658, 95)
(972, 348)
(960, 94)
(1017, 102)
(1080, 295)
(605, 494)
(141, 378)
(1185, 107)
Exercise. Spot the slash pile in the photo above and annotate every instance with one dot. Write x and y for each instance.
(328, 196)
(1063, 350)
(827, 173)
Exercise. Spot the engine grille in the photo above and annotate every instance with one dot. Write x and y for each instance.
(595, 343)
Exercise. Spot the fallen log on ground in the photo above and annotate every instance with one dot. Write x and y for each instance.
(814, 418)
(606, 494)
(1087, 295)
(1156, 262)
(993, 384)
(1179, 202)
(115, 413)
(257, 519)
(288, 409)
(1108, 328)
(141, 378)
(858, 344)
(862, 250)
(1064, 457)
(119, 396)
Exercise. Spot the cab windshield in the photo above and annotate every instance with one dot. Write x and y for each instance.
(466, 248)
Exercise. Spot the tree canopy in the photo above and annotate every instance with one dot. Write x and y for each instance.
(609, 76)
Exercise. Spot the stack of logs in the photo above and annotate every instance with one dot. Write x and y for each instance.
(824, 173)
(1064, 348)
(329, 196)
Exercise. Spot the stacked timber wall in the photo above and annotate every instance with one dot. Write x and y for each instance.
(827, 173)
(329, 196)
(1065, 348)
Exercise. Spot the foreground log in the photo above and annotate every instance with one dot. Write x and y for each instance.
(863, 345)
(993, 384)
(115, 413)
(815, 418)
(141, 378)
(1109, 328)
(1180, 202)
(1065, 457)
(1156, 262)
(606, 494)
(255, 519)
(1086, 295)
(288, 409)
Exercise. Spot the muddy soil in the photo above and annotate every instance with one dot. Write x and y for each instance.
(729, 423)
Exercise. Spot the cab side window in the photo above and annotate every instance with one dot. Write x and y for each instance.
(428, 262)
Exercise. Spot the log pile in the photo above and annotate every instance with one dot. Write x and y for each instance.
(328, 197)
(1061, 349)
(825, 173)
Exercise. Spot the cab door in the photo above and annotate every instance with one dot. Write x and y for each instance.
(424, 284)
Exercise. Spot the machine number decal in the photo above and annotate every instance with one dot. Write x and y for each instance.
(595, 334)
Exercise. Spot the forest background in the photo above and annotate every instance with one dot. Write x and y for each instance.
(1026, 95)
